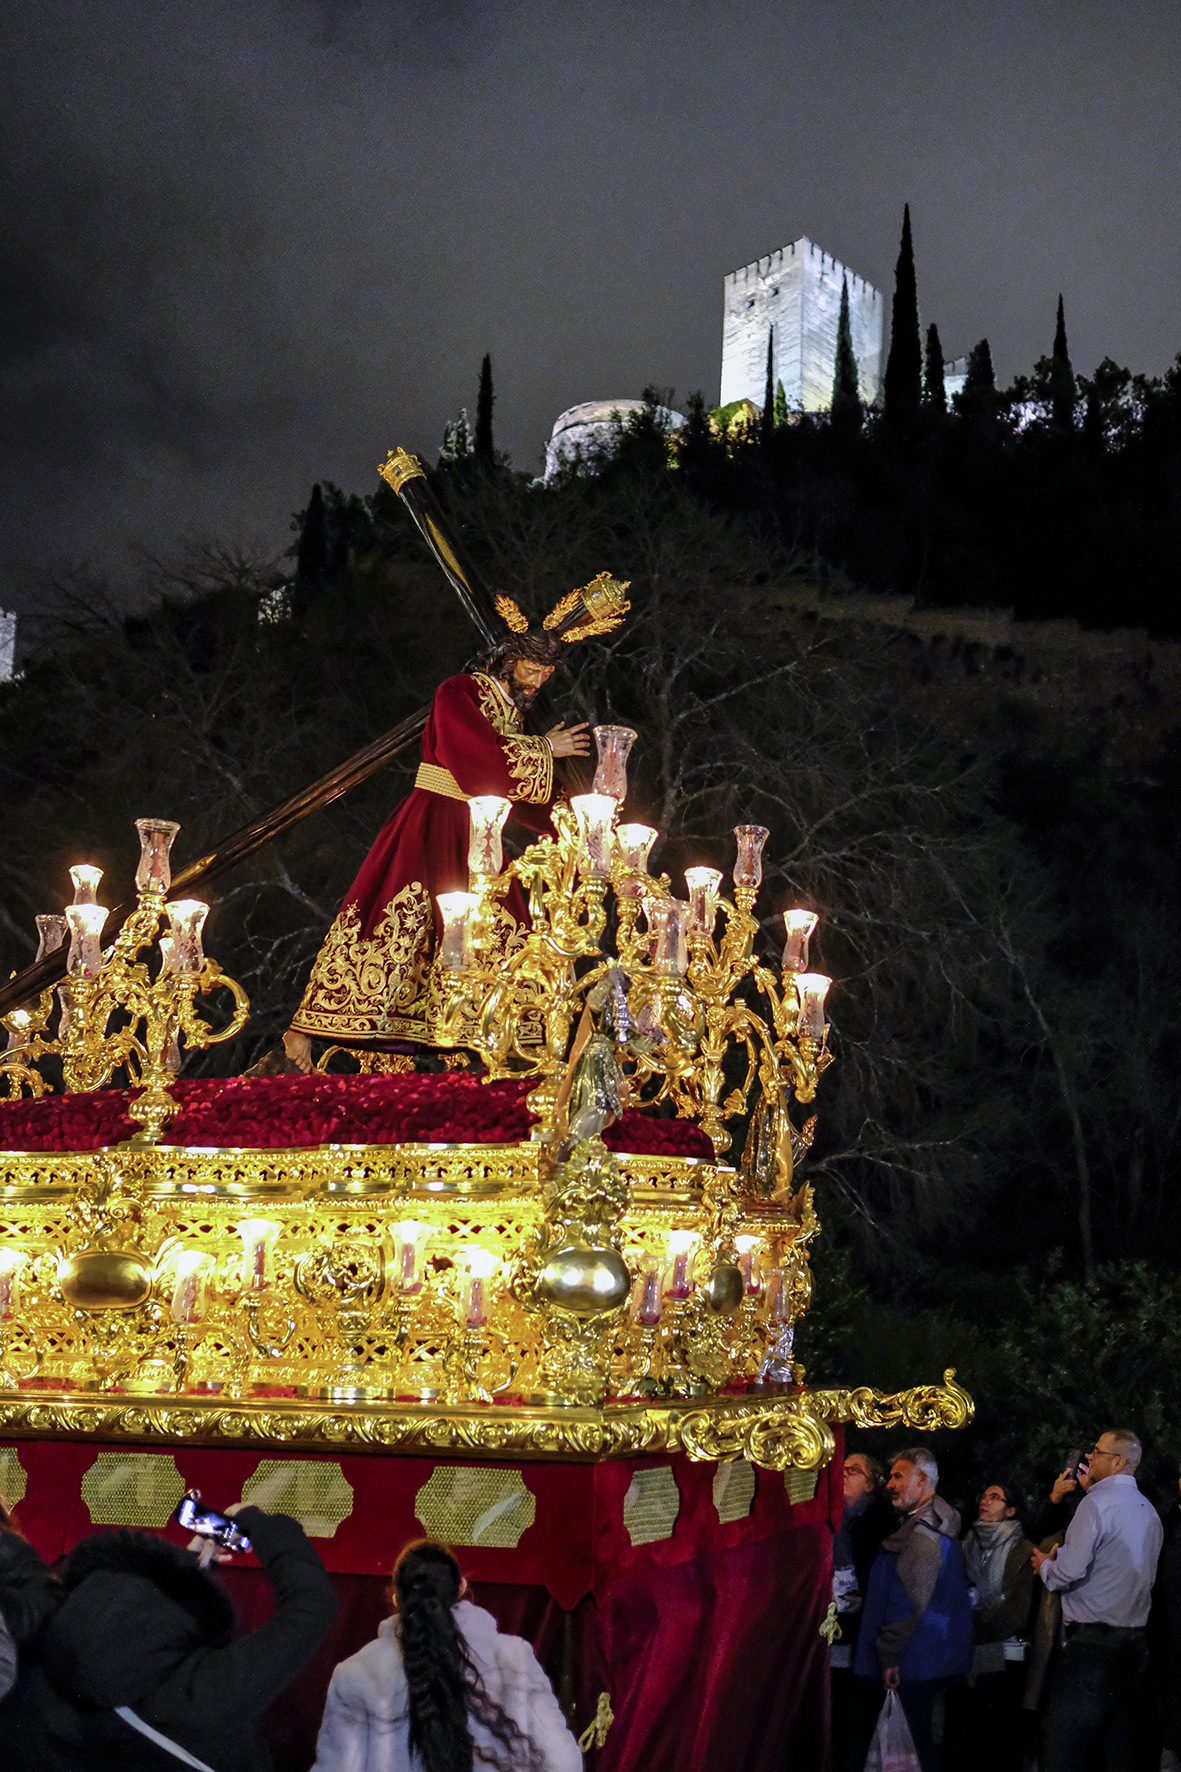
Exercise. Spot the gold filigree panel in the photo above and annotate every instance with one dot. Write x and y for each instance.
(13, 1477)
(734, 1490)
(312, 1491)
(132, 1489)
(651, 1505)
(800, 1485)
(473, 1504)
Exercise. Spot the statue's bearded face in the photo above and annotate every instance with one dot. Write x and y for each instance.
(524, 678)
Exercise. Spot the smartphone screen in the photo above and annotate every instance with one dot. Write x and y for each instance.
(206, 1522)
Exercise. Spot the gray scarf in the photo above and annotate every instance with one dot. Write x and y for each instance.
(986, 1550)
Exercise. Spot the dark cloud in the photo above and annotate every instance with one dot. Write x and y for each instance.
(252, 243)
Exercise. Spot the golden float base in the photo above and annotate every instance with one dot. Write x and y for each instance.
(774, 1430)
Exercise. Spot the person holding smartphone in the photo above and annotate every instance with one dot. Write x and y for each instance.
(139, 1667)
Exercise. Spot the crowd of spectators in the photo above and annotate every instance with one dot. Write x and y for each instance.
(1049, 1642)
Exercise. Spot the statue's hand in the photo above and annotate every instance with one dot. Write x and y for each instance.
(299, 1050)
(574, 742)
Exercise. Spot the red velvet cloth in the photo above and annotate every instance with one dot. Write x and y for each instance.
(707, 1643)
(276, 1113)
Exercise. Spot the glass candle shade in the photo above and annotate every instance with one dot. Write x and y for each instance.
(455, 944)
(476, 1267)
(258, 1253)
(703, 886)
(748, 868)
(778, 1294)
(186, 917)
(666, 920)
(51, 932)
(11, 1263)
(799, 926)
(86, 927)
(190, 1275)
(646, 1305)
(749, 1265)
(812, 989)
(678, 1268)
(85, 879)
(154, 873)
(633, 846)
(485, 852)
(595, 814)
(410, 1241)
(615, 743)
(167, 955)
(18, 1028)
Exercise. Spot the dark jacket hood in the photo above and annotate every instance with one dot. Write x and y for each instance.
(172, 1571)
(29, 1594)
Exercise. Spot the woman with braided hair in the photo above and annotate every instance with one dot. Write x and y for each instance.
(440, 1690)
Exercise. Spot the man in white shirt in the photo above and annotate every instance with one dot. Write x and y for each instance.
(1104, 1572)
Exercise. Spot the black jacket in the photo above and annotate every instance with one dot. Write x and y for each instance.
(141, 1625)
(29, 1596)
(860, 1537)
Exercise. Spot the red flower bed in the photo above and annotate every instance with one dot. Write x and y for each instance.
(275, 1113)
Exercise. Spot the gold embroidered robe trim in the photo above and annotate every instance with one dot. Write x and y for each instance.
(361, 986)
(530, 760)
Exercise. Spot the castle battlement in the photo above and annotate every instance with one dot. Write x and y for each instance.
(796, 290)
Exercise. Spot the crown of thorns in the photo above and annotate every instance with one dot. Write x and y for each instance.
(594, 609)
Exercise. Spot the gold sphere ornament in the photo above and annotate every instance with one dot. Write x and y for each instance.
(104, 1280)
(723, 1291)
(584, 1280)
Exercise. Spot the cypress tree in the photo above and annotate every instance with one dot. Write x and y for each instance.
(484, 448)
(904, 365)
(312, 555)
(1061, 377)
(934, 392)
(780, 404)
(846, 398)
(767, 422)
(977, 397)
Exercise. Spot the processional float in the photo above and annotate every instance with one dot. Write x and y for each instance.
(548, 1298)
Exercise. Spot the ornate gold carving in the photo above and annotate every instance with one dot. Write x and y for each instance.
(605, 604)
(925, 1406)
(398, 467)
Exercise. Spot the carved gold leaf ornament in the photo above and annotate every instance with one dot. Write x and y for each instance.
(511, 613)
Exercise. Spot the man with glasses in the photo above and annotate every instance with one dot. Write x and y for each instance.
(1104, 1571)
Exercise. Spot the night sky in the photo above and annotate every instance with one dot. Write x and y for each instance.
(254, 243)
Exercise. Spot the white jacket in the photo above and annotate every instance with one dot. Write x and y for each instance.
(365, 1726)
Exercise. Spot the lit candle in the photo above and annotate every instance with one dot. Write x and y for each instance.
(258, 1253)
(478, 1266)
(666, 920)
(748, 1264)
(703, 886)
(633, 845)
(86, 879)
(799, 926)
(410, 1241)
(678, 1271)
(86, 926)
(647, 1300)
(812, 989)
(187, 917)
(595, 814)
(51, 932)
(485, 852)
(11, 1263)
(614, 743)
(191, 1269)
(748, 868)
(455, 945)
(778, 1294)
(154, 872)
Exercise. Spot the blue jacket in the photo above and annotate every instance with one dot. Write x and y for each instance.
(917, 1614)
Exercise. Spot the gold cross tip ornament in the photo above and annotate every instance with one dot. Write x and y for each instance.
(398, 467)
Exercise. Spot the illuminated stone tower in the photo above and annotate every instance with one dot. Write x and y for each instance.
(797, 290)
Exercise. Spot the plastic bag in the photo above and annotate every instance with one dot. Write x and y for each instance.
(892, 1748)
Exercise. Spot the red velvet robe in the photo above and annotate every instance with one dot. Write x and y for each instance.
(371, 981)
